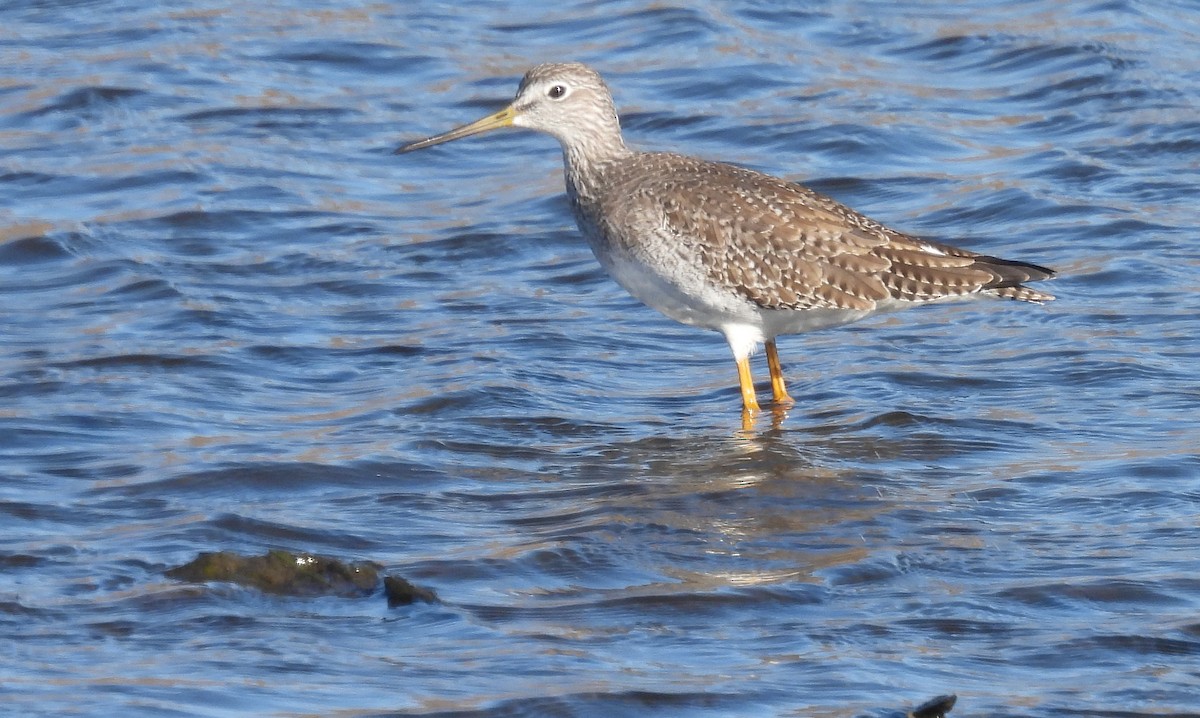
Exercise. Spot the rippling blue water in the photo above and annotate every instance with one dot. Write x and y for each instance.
(232, 320)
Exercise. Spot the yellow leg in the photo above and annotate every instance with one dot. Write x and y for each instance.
(749, 400)
(778, 389)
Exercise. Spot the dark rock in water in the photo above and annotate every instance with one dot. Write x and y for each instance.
(290, 574)
(934, 707)
(283, 573)
(401, 593)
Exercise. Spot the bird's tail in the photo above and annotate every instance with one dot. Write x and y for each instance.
(1010, 277)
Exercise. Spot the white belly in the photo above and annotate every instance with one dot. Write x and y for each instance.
(693, 301)
(685, 299)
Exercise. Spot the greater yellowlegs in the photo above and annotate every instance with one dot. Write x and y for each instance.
(730, 249)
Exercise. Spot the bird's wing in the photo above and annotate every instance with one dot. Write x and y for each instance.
(784, 246)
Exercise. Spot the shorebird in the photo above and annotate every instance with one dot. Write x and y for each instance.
(729, 249)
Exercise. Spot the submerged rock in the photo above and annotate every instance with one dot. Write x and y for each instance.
(288, 574)
(401, 593)
(934, 707)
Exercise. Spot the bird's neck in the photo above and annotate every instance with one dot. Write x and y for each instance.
(586, 160)
(594, 148)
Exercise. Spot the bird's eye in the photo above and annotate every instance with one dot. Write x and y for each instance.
(556, 92)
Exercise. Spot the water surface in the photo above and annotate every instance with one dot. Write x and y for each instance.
(232, 320)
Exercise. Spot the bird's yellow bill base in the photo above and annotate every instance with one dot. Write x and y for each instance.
(503, 118)
(778, 388)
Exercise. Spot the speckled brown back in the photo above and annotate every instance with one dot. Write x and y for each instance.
(784, 246)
